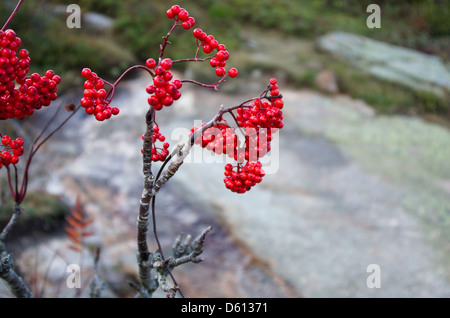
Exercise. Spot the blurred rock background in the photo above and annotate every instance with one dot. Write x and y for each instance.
(364, 173)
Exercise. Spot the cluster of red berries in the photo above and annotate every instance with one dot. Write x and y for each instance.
(220, 139)
(264, 114)
(260, 119)
(34, 91)
(12, 150)
(158, 154)
(244, 178)
(162, 91)
(211, 46)
(94, 99)
(180, 14)
(257, 142)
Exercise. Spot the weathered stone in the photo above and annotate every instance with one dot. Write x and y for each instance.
(401, 65)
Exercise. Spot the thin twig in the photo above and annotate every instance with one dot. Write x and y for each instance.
(12, 15)
(35, 147)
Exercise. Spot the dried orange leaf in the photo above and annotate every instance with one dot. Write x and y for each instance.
(72, 232)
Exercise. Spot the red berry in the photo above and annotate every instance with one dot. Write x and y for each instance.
(186, 25)
(14, 159)
(177, 83)
(220, 71)
(153, 100)
(150, 89)
(176, 95)
(23, 54)
(57, 79)
(86, 73)
(233, 72)
(207, 49)
(166, 63)
(191, 20)
(150, 63)
(88, 85)
(49, 74)
(171, 89)
(167, 101)
(221, 47)
(214, 62)
(6, 140)
(20, 141)
(100, 117)
(223, 55)
(168, 76)
(115, 111)
(175, 9)
(183, 15)
(160, 70)
(197, 33)
(170, 14)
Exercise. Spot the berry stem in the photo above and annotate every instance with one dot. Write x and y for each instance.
(215, 85)
(126, 72)
(16, 181)
(166, 40)
(10, 182)
(195, 59)
(113, 86)
(35, 147)
(13, 14)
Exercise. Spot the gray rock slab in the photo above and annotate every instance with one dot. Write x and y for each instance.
(408, 67)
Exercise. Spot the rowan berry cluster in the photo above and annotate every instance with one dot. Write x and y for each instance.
(10, 150)
(244, 177)
(162, 91)
(180, 14)
(158, 154)
(33, 91)
(257, 142)
(259, 118)
(220, 54)
(261, 113)
(221, 139)
(94, 99)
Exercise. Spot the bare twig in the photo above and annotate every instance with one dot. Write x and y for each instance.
(13, 14)
(190, 252)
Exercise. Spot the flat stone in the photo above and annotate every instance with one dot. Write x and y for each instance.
(401, 65)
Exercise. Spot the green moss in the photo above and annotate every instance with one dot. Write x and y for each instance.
(41, 211)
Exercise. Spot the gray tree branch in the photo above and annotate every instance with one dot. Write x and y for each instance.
(15, 283)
